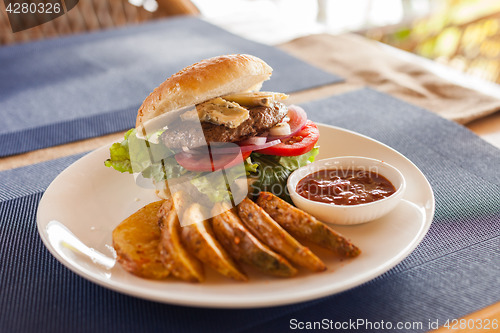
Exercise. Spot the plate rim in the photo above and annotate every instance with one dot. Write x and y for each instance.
(365, 277)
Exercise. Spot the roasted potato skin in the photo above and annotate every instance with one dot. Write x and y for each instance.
(274, 236)
(200, 240)
(136, 240)
(244, 247)
(302, 225)
(173, 254)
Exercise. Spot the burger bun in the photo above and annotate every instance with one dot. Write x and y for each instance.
(207, 79)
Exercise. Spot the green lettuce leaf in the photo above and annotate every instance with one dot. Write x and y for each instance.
(250, 167)
(119, 158)
(295, 162)
(217, 185)
(135, 155)
(273, 171)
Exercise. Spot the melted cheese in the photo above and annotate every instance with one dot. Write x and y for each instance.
(257, 98)
(219, 111)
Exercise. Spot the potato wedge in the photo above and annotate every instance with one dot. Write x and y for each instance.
(245, 247)
(302, 225)
(136, 240)
(272, 234)
(174, 255)
(200, 240)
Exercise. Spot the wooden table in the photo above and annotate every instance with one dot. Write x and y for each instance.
(487, 127)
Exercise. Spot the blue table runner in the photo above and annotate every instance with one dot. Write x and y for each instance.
(453, 272)
(62, 90)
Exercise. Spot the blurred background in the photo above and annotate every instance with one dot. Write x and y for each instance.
(463, 34)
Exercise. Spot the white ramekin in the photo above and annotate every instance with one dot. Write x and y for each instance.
(348, 214)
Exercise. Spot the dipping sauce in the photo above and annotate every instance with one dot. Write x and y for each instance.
(345, 186)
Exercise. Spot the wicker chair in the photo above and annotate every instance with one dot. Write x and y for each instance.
(89, 15)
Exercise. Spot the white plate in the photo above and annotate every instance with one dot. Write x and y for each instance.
(88, 200)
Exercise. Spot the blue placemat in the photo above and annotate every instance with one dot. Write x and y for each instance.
(62, 90)
(453, 272)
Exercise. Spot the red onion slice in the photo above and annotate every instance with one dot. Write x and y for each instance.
(298, 119)
(234, 148)
(231, 148)
(254, 140)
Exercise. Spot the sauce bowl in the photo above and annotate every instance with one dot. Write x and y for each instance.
(348, 214)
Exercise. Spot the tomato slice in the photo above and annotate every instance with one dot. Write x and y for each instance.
(202, 162)
(301, 143)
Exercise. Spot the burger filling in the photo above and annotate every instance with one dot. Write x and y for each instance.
(230, 118)
(169, 153)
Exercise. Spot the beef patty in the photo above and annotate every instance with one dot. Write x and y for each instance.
(191, 135)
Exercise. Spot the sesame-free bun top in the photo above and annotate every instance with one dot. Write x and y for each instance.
(207, 79)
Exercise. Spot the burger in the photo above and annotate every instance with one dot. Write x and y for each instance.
(210, 128)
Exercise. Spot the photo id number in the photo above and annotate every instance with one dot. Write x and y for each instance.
(478, 324)
(33, 8)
